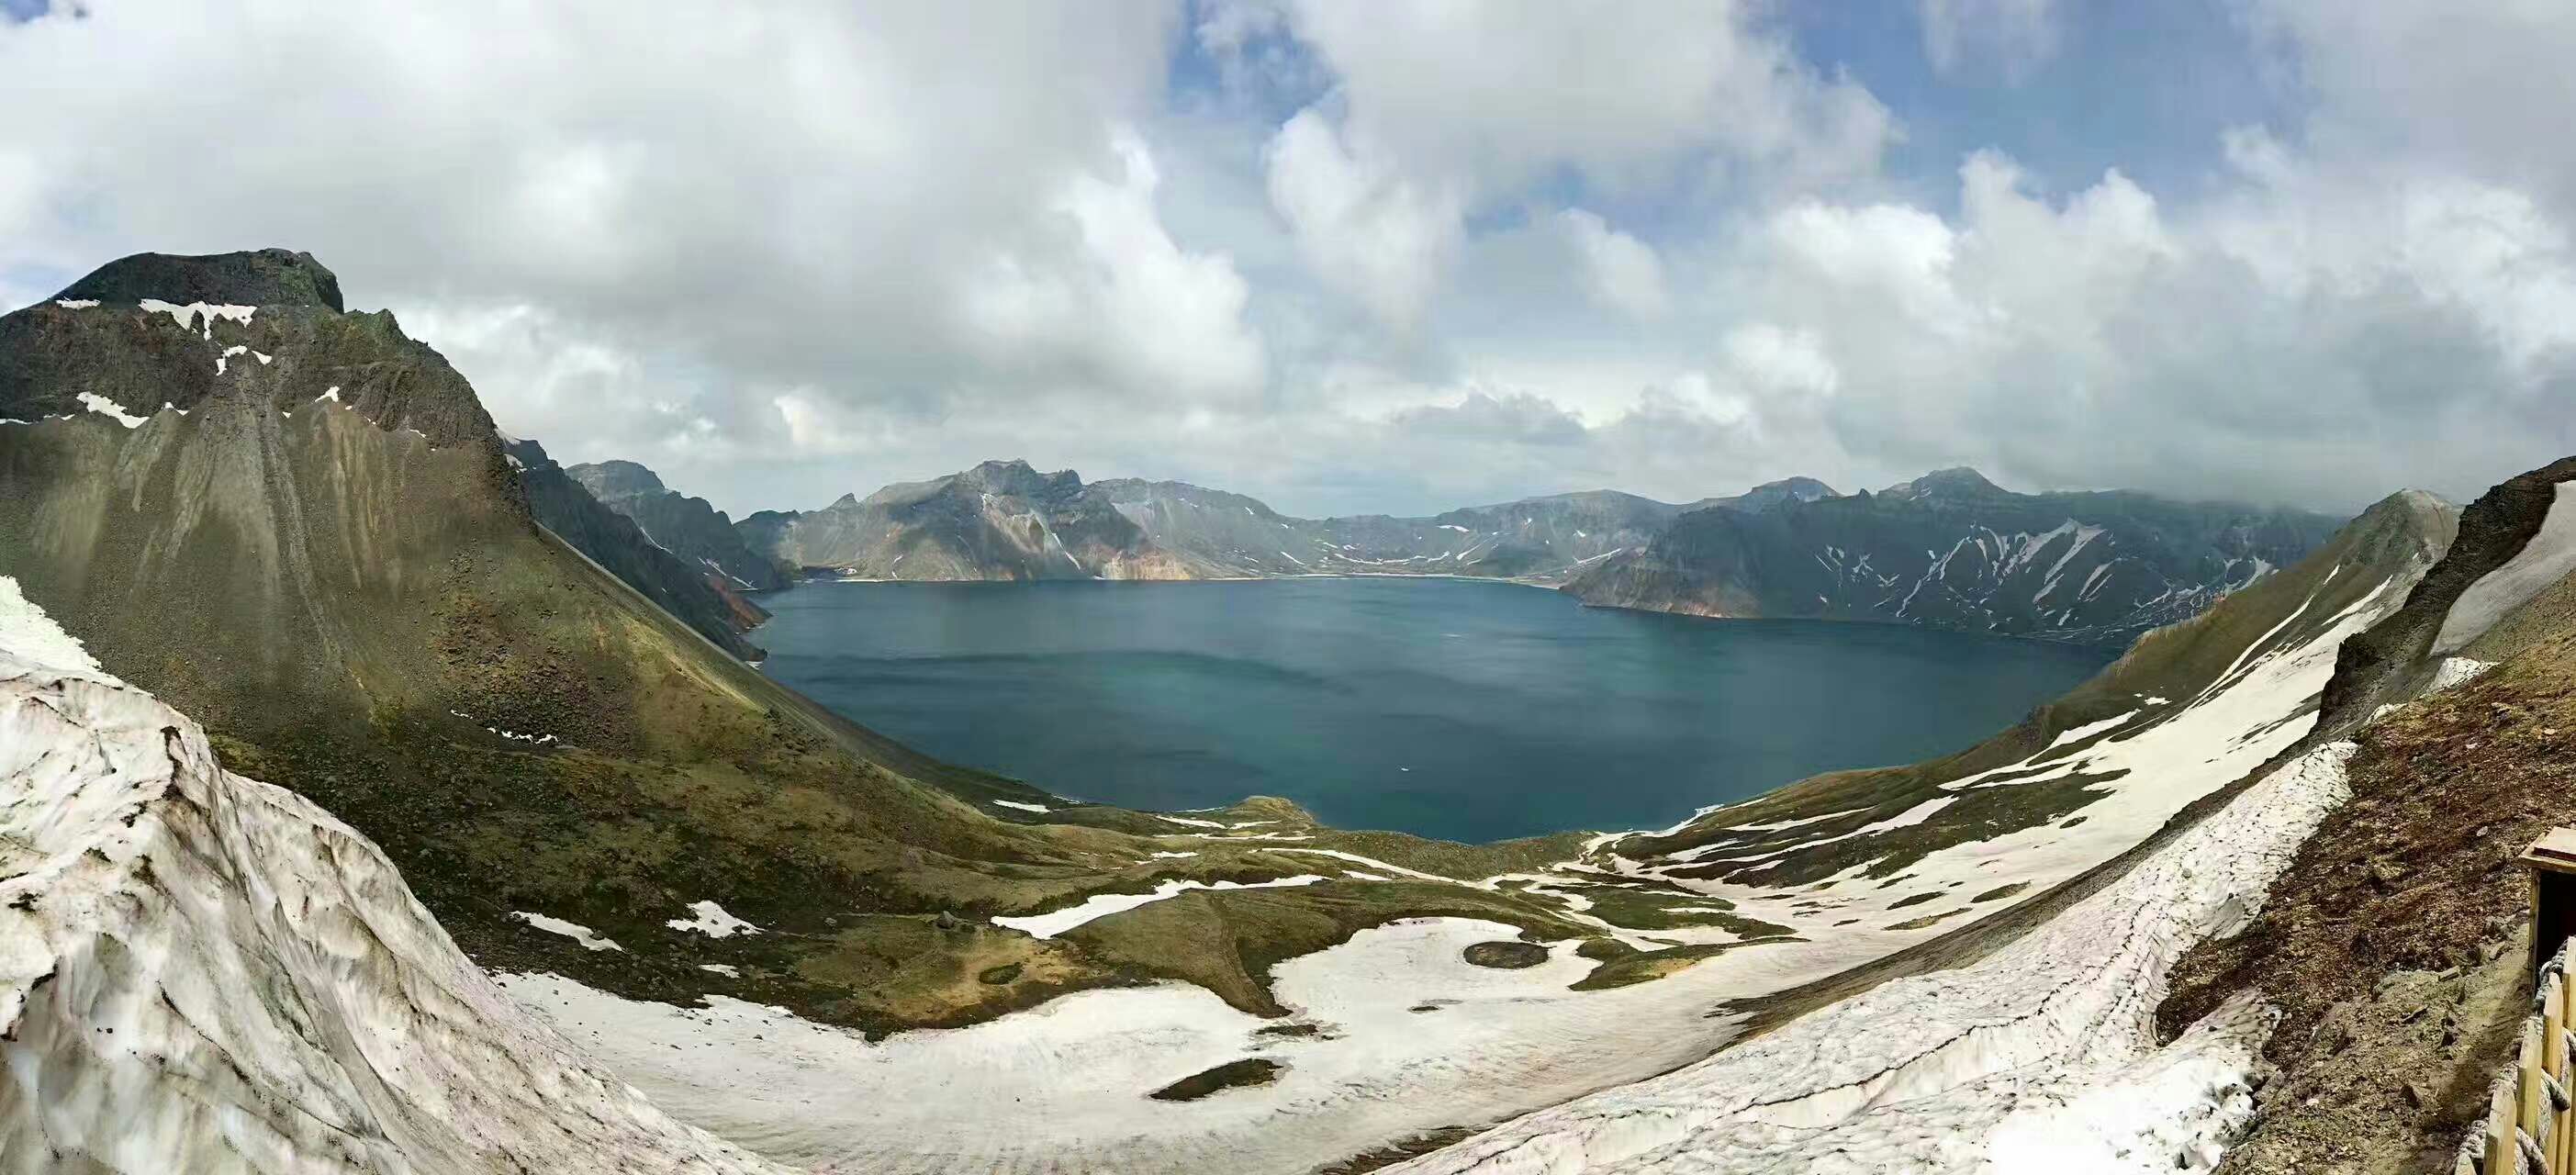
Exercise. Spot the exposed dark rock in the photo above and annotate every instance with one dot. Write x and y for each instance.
(266, 277)
(1506, 955)
(1231, 1075)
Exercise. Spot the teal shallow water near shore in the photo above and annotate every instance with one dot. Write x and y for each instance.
(1452, 708)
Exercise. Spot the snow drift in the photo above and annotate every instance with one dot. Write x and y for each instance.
(202, 974)
(2041, 1057)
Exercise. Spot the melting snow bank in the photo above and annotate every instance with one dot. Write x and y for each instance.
(2039, 1058)
(712, 921)
(1408, 1037)
(201, 972)
(1055, 922)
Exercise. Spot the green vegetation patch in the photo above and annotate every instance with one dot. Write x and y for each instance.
(1506, 956)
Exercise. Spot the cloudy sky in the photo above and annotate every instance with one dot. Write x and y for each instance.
(1384, 257)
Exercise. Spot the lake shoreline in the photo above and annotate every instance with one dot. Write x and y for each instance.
(1450, 713)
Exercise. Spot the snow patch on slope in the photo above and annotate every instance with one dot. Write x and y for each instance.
(1055, 922)
(712, 921)
(203, 973)
(589, 939)
(31, 637)
(2145, 771)
(1410, 1038)
(111, 409)
(2454, 671)
(199, 316)
(2051, 1038)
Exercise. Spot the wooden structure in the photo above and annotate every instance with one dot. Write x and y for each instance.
(2552, 863)
(2531, 1119)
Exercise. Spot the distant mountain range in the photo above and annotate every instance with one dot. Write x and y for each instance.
(1952, 550)
(1948, 550)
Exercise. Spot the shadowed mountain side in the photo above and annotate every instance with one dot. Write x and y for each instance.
(703, 597)
(688, 527)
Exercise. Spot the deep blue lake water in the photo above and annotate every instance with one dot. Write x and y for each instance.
(1450, 708)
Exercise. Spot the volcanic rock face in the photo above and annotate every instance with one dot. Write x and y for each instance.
(999, 520)
(1005, 520)
(1951, 550)
(236, 379)
(2398, 658)
(117, 345)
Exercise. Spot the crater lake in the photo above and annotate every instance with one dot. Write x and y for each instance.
(1460, 709)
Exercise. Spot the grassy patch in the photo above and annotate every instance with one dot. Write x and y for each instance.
(2000, 892)
(1506, 956)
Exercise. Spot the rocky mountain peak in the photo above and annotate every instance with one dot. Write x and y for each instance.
(263, 277)
(1955, 482)
(1785, 490)
(1017, 478)
(617, 479)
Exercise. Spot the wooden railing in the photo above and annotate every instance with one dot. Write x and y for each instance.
(2528, 1124)
(2530, 1127)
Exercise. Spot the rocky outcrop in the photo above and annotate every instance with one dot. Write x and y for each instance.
(266, 277)
(2397, 658)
